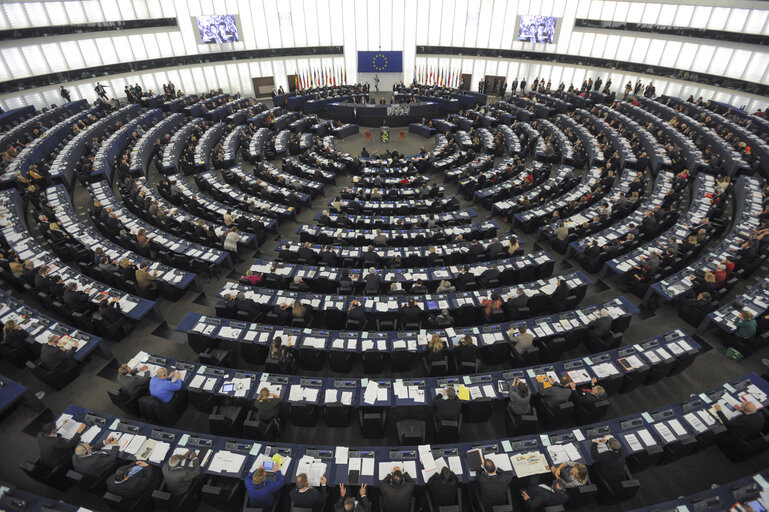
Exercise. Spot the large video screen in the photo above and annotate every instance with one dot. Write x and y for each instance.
(537, 29)
(218, 29)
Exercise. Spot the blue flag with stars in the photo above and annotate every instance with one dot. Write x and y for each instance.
(380, 62)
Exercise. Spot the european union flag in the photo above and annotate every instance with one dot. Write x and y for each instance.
(380, 62)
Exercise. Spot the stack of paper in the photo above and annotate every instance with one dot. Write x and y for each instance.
(225, 461)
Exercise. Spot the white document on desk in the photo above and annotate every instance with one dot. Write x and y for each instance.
(367, 466)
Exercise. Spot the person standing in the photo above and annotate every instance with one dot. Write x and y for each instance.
(376, 83)
(65, 94)
(100, 91)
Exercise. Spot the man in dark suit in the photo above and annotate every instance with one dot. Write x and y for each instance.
(328, 256)
(132, 480)
(561, 293)
(446, 405)
(489, 275)
(54, 449)
(396, 490)
(745, 426)
(464, 279)
(180, 472)
(53, 357)
(609, 463)
(75, 300)
(306, 253)
(495, 249)
(308, 497)
(556, 393)
(538, 496)
(357, 312)
(411, 314)
(493, 484)
(476, 250)
(131, 382)
(96, 461)
(244, 304)
(601, 326)
(587, 396)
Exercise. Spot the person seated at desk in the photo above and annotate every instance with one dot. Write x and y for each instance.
(537, 496)
(308, 497)
(130, 381)
(110, 311)
(356, 311)
(466, 352)
(557, 393)
(492, 303)
(282, 354)
(436, 349)
(396, 289)
(493, 484)
(328, 256)
(299, 285)
(267, 405)
(75, 300)
(521, 339)
(306, 253)
(180, 472)
(53, 356)
(370, 257)
(520, 398)
(345, 504)
(54, 449)
(411, 313)
(587, 396)
(573, 474)
(132, 480)
(445, 287)
(444, 319)
(560, 293)
(283, 313)
(443, 487)
(13, 335)
(608, 463)
(446, 405)
(98, 460)
(490, 274)
(601, 326)
(299, 310)
(418, 288)
(261, 490)
(163, 386)
(372, 280)
(396, 490)
(745, 426)
(745, 325)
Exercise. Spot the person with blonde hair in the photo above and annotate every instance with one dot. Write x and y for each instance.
(261, 491)
(436, 348)
(13, 335)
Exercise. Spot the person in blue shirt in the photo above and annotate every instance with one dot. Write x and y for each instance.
(262, 492)
(163, 386)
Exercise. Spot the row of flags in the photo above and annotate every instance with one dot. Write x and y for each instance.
(425, 75)
(329, 76)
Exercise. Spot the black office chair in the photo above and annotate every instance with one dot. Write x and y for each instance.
(340, 360)
(372, 422)
(223, 492)
(166, 414)
(411, 432)
(124, 401)
(54, 477)
(372, 360)
(226, 420)
(57, 378)
(310, 358)
(582, 495)
(254, 428)
(303, 414)
(274, 508)
(400, 360)
(88, 482)
(436, 368)
(556, 417)
(190, 500)
(479, 506)
(124, 504)
(611, 493)
(590, 412)
(477, 410)
(443, 508)
(447, 431)
(253, 353)
(521, 425)
(337, 415)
